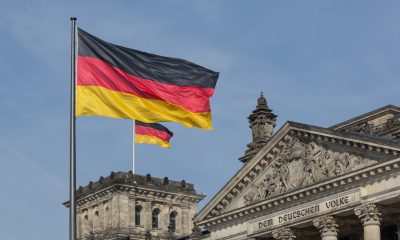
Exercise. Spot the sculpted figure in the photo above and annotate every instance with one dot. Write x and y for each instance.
(285, 175)
(322, 171)
(255, 132)
(268, 129)
(339, 164)
(310, 163)
(270, 184)
(300, 164)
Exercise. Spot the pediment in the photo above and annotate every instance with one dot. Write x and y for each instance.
(296, 157)
(384, 121)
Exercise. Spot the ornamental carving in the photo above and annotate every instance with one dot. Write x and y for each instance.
(371, 129)
(90, 236)
(262, 126)
(368, 214)
(393, 122)
(262, 123)
(147, 235)
(262, 120)
(361, 128)
(301, 164)
(283, 234)
(326, 226)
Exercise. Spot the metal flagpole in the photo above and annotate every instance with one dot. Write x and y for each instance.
(72, 168)
(133, 148)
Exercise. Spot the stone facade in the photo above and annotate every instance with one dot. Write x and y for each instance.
(301, 182)
(309, 182)
(262, 123)
(129, 206)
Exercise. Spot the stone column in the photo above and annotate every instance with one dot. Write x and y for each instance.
(101, 216)
(147, 213)
(79, 222)
(132, 212)
(114, 214)
(371, 220)
(107, 215)
(283, 234)
(124, 212)
(192, 213)
(164, 216)
(96, 224)
(327, 227)
(185, 220)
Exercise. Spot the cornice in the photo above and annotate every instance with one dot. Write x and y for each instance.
(366, 116)
(232, 187)
(139, 192)
(354, 179)
(249, 172)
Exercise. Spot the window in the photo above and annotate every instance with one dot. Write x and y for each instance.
(154, 218)
(138, 209)
(172, 220)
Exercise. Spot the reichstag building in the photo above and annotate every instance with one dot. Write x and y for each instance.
(309, 182)
(300, 182)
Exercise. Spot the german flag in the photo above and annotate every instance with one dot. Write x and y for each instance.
(119, 82)
(152, 133)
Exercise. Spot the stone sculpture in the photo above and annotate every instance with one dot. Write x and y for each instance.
(301, 164)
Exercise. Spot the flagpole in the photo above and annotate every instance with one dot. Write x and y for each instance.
(72, 208)
(133, 147)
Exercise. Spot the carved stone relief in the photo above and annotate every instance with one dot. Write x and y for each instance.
(262, 126)
(361, 128)
(326, 226)
(368, 213)
(371, 129)
(262, 123)
(301, 164)
(283, 234)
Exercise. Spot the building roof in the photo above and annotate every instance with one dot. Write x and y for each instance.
(366, 116)
(362, 143)
(135, 180)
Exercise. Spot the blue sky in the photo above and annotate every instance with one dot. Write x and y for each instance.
(318, 62)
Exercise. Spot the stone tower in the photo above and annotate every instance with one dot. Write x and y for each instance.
(126, 206)
(262, 123)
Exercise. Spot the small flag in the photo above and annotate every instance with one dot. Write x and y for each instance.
(119, 82)
(152, 133)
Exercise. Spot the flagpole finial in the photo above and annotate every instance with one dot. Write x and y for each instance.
(73, 18)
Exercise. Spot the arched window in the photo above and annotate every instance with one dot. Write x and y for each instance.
(172, 220)
(138, 210)
(154, 217)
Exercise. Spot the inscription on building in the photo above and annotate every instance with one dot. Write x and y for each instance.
(304, 211)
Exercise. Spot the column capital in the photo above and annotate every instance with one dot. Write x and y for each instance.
(368, 214)
(283, 234)
(326, 226)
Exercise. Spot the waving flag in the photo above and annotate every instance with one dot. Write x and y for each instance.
(119, 82)
(152, 133)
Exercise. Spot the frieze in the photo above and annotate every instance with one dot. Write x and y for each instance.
(301, 164)
(371, 129)
(364, 127)
(306, 211)
(234, 198)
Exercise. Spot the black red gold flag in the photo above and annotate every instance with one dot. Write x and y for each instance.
(152, 133)
(119, 82)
